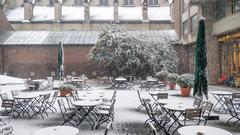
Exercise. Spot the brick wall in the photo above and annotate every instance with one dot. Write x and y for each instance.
(20, 60)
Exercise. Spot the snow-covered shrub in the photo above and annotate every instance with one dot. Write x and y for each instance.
(172, 77)
(185, 80)
(122, 54)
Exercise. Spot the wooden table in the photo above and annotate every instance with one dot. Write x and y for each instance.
(202, 130)
(57, 130)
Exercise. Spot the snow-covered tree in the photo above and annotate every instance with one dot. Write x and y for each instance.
(121, 54)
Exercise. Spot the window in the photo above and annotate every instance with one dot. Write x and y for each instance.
(128, 2)
(50, 2)
(103, 2)
(78, 2)
(220, 9)
(185, 27)
(236, 5)
(153, 2)
(184, 5)
(194, 23)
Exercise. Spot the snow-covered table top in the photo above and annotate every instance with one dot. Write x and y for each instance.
(205, 130)
(86, 103)
(222, 93)
(178, 107)
(57, 130)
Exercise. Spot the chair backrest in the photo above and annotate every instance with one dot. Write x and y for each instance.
(69, 101)
(207, 108)
(236, 95)
(139, 96)
(145, 104)
(45, 99)
(62, 106)
(153, 130)
(4, 96)
(14, 93)
(162, 96)
(54, 98)
(50, 82)
(107, 128)
(75, 95)
(230, 106)
(7, 103)
(197, 102)
(192, 113)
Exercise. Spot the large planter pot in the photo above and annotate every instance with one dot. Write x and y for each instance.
(172, 86)
(64, 92)
(185, 92)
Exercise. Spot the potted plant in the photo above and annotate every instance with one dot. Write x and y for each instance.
(186, 82)
(65, 89)
(171, 79)
(162, 75)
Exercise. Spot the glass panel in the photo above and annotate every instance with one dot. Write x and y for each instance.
(78, 2)
(220, 9)
(103, 2)
(185, 5)
(194, 23)
(185, 27)
(236, 5)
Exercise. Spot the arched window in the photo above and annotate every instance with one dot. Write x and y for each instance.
(128, 2)
(103, 3)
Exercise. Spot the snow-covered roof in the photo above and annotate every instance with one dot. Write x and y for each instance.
(70, 13)
(76, 37)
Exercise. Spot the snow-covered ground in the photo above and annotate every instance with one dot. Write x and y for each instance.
(127, 118)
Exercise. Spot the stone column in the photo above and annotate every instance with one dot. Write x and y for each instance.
(145, 10)
(115, 12)
(86, 10)
(57, 10)
(28, 10)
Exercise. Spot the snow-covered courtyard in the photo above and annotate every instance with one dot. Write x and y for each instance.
(127, 120)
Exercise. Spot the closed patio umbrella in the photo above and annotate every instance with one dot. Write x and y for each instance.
(201, 80)
(60, 68)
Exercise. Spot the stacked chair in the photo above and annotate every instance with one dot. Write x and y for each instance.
(105, 111)
(235, 114)
(157, 118)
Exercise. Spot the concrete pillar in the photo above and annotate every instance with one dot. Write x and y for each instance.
(86, 10)
(28, 10)
(115, 8)
(57, 10)
(145, 10)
